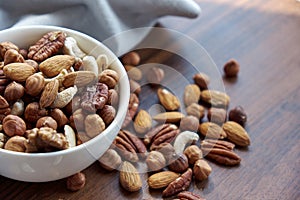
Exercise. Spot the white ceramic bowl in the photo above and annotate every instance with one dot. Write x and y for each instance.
(41, 167)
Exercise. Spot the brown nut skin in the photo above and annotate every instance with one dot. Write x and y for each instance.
(107, 113)
(72, 106)
(16, 143)
(113, 98)
(110, 160)
(76, 182)
(4, 46)
(59, 117)
(180, 163)
(13, 125)
(231, 68)
(46, 122)
(34, 84)
(33, 112)
(217, 115)
(109, 77)
(155, 161)
(202, 80)
(189, 123)
(131, 58)
(14, 91)
(33, 63)
(193, 153)
(195, 110)
(201, 170)
(24, 53)
(12, 56)
(77, 120)
(238, 115)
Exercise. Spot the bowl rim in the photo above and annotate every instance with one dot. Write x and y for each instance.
(113, 124)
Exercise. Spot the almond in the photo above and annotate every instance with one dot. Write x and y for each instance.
(236, 133)
(79, 78)
(49, 94)
(162, 179)
(191, 94)
(215, 98)
(54, 65)
(169, 117)
(167, 99)
(130, 178)
(142, 122)
(18, 71)
(212, 130)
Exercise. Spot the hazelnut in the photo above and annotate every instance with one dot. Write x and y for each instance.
(110, 160)
(238, 115)
(109, 77)
(46, 122)
(131, 58)
(201, 170)
(77, 120)
(12, 56)
(14, 91)
(180, 163)
(113, 97)
(107, 113)
(76, 181)
(4, 46)
(33, 112)
(231, 68)
(59, 117)
(195, 110)
(13, 125)
(202, 80)
(82, 137)
(16, 143)
(193, 153)
(33, 63)
(189, 123)
(94, 125)
(217, 115)
(133, 72)
(155, 161)
(155, 75)
(167, 150)
(34, 84)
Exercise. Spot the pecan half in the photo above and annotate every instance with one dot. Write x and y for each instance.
(132, 109)
(186, 195)
(4, 108)
(180, 184)
(95, 97)
(129, 146)
(165, 133)
(220, 151)
(47, 46)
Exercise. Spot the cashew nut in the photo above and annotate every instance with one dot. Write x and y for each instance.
(89, 64)
(18, 108)
(102, 62)
(183, 139)
(70, 135)
(64, 97)
(60, 77)
(71, 48)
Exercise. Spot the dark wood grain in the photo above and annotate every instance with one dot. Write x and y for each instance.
(264, 36)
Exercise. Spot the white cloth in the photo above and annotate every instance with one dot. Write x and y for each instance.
(97, 18)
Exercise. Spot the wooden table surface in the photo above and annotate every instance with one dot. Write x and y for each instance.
(264, 36)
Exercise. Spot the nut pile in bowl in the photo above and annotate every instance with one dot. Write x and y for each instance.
(53, 96)
(82, 60)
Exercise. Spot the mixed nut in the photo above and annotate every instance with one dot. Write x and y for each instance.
(53, 96)
(176, 148)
